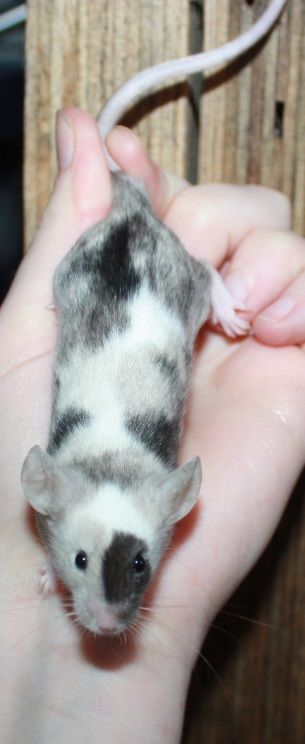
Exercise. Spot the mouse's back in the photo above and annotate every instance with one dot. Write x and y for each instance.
(114, 261)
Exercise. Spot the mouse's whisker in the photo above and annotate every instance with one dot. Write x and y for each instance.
(215, 626)
(247, 619)
(170, 606)
(168, 630)
(137, 626)
(123, 638)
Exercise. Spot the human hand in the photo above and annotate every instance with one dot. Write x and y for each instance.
(245, 419)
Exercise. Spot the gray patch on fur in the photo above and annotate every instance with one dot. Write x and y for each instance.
(124, 468)
(129, 194)
(168, 367)
(93, 285)
(120, 580)
(64, 425)
(109, 467)
(157, 433)
(101, 273)
(55, 392)
(98, 277)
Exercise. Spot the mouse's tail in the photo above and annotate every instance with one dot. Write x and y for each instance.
(146, 80)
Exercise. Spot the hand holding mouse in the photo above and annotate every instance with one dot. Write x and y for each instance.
(245, 419)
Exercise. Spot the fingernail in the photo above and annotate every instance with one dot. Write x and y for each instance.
(237, 286)
(64, 141)
(278, 311)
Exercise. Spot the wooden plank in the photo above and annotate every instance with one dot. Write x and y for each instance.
(256, 693)
(239, 141)
(78, 53)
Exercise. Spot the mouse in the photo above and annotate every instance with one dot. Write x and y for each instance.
(108, 489)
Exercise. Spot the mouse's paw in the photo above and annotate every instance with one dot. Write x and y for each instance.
(224, 307)
(47, 584)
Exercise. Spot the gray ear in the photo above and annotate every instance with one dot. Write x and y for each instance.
(42, 482)
(181, 489)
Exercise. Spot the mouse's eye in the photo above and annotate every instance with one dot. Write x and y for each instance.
(139, 563)
(81, 560)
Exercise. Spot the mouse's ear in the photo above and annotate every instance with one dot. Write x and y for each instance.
(42, 482)
(180, 490)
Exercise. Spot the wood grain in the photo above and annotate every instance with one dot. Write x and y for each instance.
(253, 689)
(239, 140)
(77, 54)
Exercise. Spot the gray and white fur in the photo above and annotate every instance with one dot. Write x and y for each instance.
(108, 490)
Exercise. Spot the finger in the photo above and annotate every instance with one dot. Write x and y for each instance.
(283, 321)
(82, 193)
(261, 270)
(211, 220)
(82, 196)
(265, 262)
(127, 151)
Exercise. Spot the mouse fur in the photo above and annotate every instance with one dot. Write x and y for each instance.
(108, 490)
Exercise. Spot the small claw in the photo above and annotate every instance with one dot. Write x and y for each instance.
(241, 325)
(237, 305)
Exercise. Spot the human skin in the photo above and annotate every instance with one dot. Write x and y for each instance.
(245, 418)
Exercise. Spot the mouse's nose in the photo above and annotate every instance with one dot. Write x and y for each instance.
(105, 617)
(107, 631)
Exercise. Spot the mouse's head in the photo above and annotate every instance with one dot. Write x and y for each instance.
(104, 541)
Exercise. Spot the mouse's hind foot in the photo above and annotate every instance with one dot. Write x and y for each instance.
(224, 309)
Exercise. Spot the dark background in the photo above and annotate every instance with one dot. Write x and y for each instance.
(11, 135)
